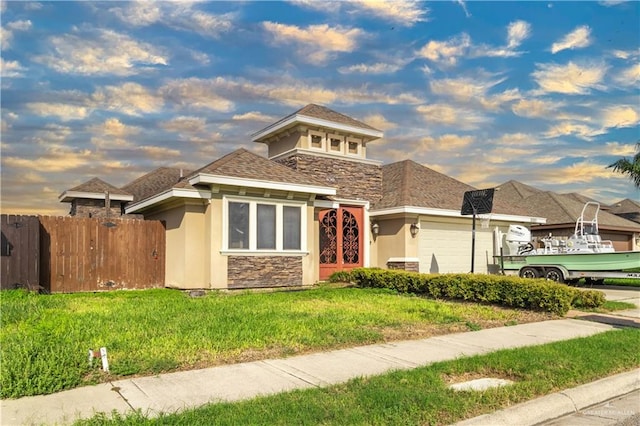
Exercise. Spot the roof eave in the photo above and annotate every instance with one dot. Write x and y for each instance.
(68, 196)
(165, 196)
(210, 179)
(429, 211)
(268, 131)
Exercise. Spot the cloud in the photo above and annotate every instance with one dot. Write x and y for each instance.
(536, 108)
(182, 16)
(473, 91)
(447, 142)
(401, 12)
(448, 115)
(377, 68)
(100, 52)
(629, 76)
(316, 43)
(620, 116)
(584, 171)
(464, 8)
(578, 38)
(112, 134)
(65, 112)
(571, 79)
(379, 122)
(55, 161)
(565, 128)
(446, 52)
(127, 98)
(184, 124)
(6, 34)
(11, 68)
(196, 93)
(253, 116)
(159, 152)
(517, 31)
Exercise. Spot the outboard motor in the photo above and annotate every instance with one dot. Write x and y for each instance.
(518, 240)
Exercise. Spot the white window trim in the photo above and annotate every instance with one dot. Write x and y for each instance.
(358, 143)
(323, 138)
(334, 136)
(253, 226)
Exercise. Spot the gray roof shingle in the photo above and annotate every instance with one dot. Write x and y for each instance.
(95, 186)
(155, 182)
(407, 183)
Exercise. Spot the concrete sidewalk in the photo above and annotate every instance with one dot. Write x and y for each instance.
(176, 391)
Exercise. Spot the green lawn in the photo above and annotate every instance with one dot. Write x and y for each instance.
(44, 339)
(421, 396)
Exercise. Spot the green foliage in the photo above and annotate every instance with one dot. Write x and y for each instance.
(509, 291)
(340, 277)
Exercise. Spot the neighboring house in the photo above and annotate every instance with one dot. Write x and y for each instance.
(96, 198)
(627, 209)
(316, 205)
(563, 210)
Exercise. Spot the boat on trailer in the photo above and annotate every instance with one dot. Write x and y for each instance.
(583, 255)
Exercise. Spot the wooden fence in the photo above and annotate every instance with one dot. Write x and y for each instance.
(20, 252)
(88, 254)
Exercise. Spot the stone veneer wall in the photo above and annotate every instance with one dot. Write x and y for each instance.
(352, 179)
(405, 266)
(264, 271)
(86, 207)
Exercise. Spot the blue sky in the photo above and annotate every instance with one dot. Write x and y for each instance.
(546, 93)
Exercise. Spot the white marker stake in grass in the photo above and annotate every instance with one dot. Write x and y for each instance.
(102, 354)
(105, 362)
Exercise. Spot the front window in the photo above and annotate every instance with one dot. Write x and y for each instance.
(238, 225)
(256, 225)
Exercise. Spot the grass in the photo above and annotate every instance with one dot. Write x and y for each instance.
(45, 339)
(421, 396)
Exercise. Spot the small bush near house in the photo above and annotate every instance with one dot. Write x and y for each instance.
(509, 291)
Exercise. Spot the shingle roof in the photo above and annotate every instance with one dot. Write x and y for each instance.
(318, 111)
(407, 183)
(98, 186)
(154, 182)
(628, 209)
(562, 210)
(514, 192)
(244, 164)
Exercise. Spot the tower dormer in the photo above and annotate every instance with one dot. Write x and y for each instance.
(318, 130)
(329, 146)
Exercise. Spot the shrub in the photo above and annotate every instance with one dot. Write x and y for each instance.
(509, 291)
(340, 277)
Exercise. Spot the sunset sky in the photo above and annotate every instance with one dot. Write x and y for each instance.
(545, 93)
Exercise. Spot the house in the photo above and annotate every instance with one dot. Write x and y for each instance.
(562, 211)
(317, 204)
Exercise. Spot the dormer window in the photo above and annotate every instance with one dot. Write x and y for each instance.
(316, 140)
(335, 143)
(353, 146)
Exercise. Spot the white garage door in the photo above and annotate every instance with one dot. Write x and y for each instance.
(446, 247)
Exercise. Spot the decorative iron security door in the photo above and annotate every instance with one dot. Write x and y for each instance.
(340, 239)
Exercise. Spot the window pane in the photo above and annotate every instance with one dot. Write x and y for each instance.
(238, 225)
(291, 228)
(316, 141)
(335, 144)
(266, 226)
(353, 147)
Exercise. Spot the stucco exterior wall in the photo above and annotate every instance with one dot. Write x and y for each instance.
(394, 241)
(185, 245)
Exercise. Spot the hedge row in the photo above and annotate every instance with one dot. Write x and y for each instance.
(516, 292)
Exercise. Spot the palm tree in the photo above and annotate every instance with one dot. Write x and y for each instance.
(631, 168)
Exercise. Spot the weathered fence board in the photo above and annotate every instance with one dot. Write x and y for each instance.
(91, 254)
(71, 254)
(20, 252)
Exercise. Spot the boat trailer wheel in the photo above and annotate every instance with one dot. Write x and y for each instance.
(529, 272)
(554, 274)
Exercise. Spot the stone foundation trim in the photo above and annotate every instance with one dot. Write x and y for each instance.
(264, 271)
(410, 264)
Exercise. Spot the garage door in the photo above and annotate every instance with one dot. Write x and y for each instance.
(446, 247)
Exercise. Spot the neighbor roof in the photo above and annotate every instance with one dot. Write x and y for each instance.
(628, 209)
(95, 189)
(562, 210)
(154, 182)
(407, 183)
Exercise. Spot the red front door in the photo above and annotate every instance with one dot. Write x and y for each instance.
(340, 239)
